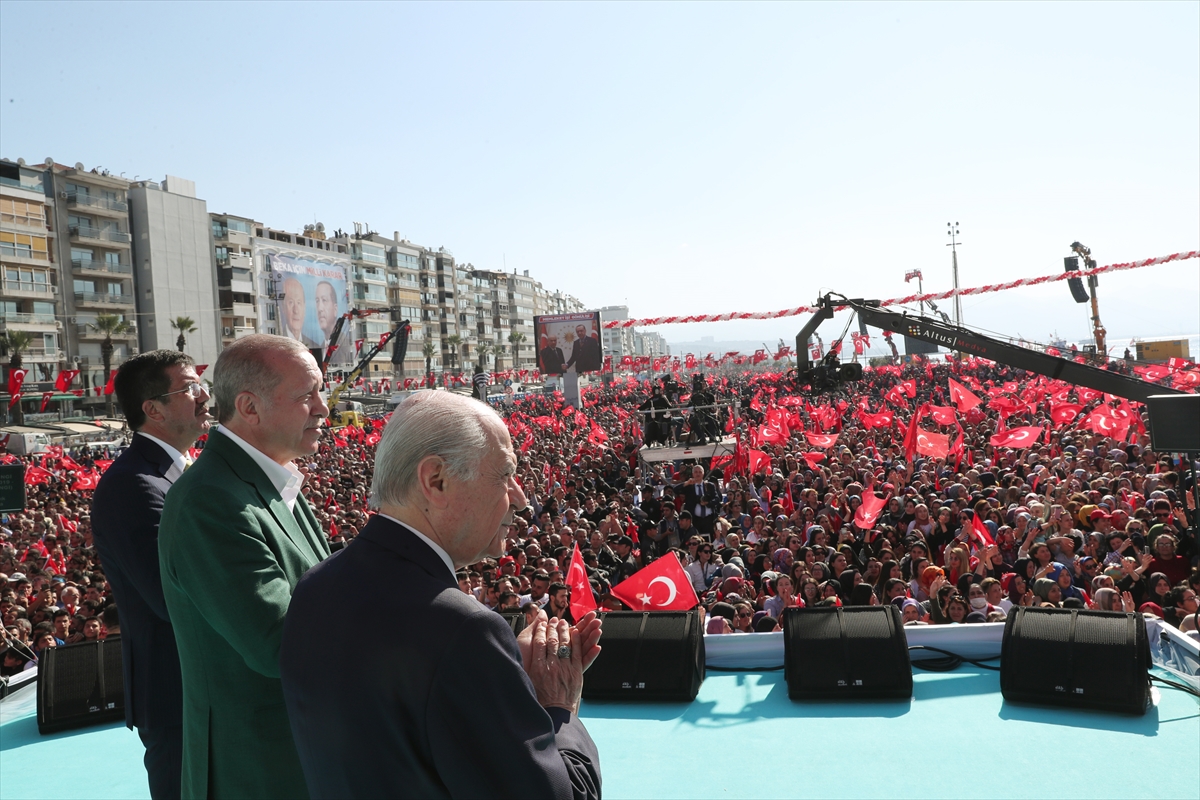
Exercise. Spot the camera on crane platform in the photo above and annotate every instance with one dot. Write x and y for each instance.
(829, 375)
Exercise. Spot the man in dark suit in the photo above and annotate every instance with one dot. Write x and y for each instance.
(236, 537)
(443, 701)
(550, 357)
(702, 499)
(165, 403)
(585, 351)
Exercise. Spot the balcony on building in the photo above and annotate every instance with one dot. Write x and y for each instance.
(103, 299)
(106, 206)
(34, 323)
(90, 233)
(244, 310)
(85, 331)
(86, 266)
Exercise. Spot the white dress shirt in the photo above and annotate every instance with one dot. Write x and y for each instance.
(437, 548)
(286, 478)
(179, 461)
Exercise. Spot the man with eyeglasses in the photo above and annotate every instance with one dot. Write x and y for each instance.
(165, 403)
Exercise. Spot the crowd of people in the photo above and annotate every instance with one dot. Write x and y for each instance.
(1078, 520)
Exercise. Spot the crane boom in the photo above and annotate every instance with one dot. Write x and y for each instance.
(979, 345)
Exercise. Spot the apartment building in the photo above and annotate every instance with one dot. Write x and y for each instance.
(175, 268)
(241, 290)
(31, 303)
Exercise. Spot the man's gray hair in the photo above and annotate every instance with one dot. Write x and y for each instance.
(244, 366)
(430, 423)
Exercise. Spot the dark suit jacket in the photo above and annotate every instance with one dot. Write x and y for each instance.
(552, 361)
(697, 491)
(420, 692)
(231, 552)
(585, 354)
(125, 513)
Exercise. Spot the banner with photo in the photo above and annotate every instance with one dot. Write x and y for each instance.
(568, 343)
(311, 295)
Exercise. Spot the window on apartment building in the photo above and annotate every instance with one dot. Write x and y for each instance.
(80, 255)
(43, 309)
(22, 212)
(50, 342)
(271, 311)
(222, 254)
(238, 225)
(84, 287)
(78, 189)
(76, 221)
(112, 259)
(23, 245)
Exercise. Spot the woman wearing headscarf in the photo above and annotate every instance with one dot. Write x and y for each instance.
(781, 561)
(1061, 575)
(848, 579)
(863, 595)
(1047, 592)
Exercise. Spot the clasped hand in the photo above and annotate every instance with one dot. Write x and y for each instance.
(559, 681)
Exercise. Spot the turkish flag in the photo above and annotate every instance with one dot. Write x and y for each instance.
(85, 481)
(981, 530)
(16, 377)
(814, 459)
(108, 387)
(1064, 413)
(102, 464)
(45, 400)
(759, 460)
(1017, 438)
(868, 512)
(582, 599)
(821, 439)
(943, 415)
(68, 524)
(36, 475)
(1086, 395)
(662, 586)
(883, 419)
(333, 529)
(65, 378)
(934, 445)
(962, 397)
(910, 387)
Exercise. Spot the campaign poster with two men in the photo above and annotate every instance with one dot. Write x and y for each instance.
(569, 343)
(311, 296)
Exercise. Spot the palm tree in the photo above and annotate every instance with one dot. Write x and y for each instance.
(428, 351)
(483, 349)
(17, 342)
(109, 325)
(184, 325)
(515, 338)
(454, 340)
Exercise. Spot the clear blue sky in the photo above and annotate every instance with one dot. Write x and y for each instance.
(682, 158)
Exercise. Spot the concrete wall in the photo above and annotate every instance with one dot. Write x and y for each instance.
(175, 271)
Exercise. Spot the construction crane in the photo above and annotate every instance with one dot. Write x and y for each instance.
(352, 414)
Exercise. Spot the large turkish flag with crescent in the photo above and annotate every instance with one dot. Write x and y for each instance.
(1017, 438)
(934, 445)
(582, 599)
(821, 439)
(962, 396)
(868, 512)
(662, 586)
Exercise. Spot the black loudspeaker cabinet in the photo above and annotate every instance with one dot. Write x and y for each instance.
(80, 684)
(648, 656)
(1078, 659)
(846, 654)
(1174, 422)
(515, 620)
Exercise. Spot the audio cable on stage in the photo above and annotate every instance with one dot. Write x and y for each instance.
(950, 661)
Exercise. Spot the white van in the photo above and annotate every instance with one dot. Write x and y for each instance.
(24, 444)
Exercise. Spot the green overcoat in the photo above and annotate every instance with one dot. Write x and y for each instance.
(231, 553)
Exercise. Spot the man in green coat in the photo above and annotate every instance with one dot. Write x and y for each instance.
(235, 538)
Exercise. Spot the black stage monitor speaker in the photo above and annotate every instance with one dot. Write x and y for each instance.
(846, 653)
(1080, 659)
(80, 684)
(1174, 422)
(655, 656)
(515, 620)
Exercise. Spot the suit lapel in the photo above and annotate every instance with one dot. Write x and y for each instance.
(152, 453)
(244, 467)
(403, 542)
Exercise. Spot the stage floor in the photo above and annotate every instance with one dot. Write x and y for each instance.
(743, 737)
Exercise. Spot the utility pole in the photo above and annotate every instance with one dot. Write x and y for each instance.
(952, 232)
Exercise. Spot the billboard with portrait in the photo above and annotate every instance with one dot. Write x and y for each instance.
(568, 342)
(311, 295)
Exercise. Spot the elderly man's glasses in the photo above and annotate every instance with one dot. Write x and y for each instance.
(192, 390)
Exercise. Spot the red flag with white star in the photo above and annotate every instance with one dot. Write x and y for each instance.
(662, 586)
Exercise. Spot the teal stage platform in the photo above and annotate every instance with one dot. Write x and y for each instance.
(743, 737)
